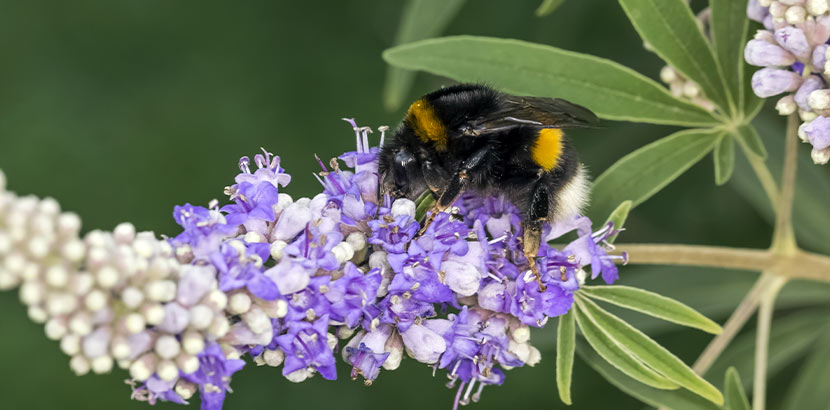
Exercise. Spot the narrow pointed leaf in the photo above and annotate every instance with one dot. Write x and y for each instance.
(652, 304)
(611, 90)
(613, 352)
(724, 157)
(749, 137)
(791, 338)
(650, 352)
(618, 218)
(565, 340)
(728, 28)
(809, 391)
(421, 19)
(642, 173)
(548, 7)
(674, 399)
(734, 395)
(670, 28)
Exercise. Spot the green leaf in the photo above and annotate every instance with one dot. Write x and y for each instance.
(650, 352)
(729, 26)
(565, 341)
(791, 337)
(611, 90)
(673, 399)
(735, 397)
(423, 204)
(618, 218)
(673, 33)
(748, 136)
(613, 352)
(547, 7)
(809, 391)
(724, 157)
(642, 173)
(421, 19)
(652, 304)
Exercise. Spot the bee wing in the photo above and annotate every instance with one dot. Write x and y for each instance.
(538, 111)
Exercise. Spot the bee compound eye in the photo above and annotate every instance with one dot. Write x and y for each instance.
(404, 165)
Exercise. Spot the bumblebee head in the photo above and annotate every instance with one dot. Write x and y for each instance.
(400, 171)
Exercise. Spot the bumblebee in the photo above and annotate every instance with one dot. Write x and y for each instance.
(471, 137)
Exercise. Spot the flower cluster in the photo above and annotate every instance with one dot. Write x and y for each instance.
(292, 283)
(793, 51)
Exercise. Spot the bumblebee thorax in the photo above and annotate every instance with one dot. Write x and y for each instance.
(426, 125)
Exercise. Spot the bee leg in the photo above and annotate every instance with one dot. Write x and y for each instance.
(448, 196)
(532, 227)
(433, 175)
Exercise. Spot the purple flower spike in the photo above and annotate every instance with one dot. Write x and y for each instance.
(763, 53)
(767, 82)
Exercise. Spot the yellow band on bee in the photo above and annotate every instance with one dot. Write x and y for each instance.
(547, 148)
(421, 117)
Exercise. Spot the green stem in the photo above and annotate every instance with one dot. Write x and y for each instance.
(759, 389)
(796, 265)
(764, 175)
(733, 325)
(783, 239)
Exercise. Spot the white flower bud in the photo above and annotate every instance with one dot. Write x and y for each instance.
(107, 277)
(167, 347)
(257, 320)
(188, 363)
(357, 240)
(81, 324)
(403, 206)
(124, 233)
(57, 276)
(394, 345)
(185, 389)
(69, 224)
(807, 116)
(102, 364)
(61, 303)
(217, 299)
(667, 74)
(153, 313)
(343, 252)
(31, 293)
(167, 370)
(79, 365)
(581, 275)
(521, 334)
(254, 237)
(144, 247)
(239, 303)
(777, 9)
(795, 15)
(81, 283)
(37, 314)
(120, 348)
(219, 327)
(55, 328)
(71, 344)
(132, 297)
(786, 105)
(819, 99)
(134, 323)
(8, 280)
(95, 300)
(273, 358)
(276, 249)
(820, 156)
(144, 367)
(534, 357)
(193, 342)
(816, 7)
(201, 317)
(38, 247)
(299, 376)
(160, 290)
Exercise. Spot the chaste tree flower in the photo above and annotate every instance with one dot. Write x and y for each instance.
(293, 282)
(792, 50)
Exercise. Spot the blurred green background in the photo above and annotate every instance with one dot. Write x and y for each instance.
(121, 110)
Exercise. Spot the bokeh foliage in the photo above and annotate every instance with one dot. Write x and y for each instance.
(121, 110)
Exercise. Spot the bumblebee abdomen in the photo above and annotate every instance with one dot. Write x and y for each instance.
(547, 148)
